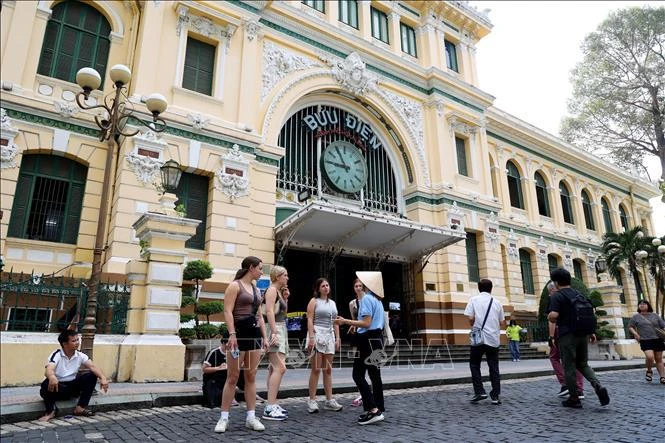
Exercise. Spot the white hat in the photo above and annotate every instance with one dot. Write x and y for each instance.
(372, 281)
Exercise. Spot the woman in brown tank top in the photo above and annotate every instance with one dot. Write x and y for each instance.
(244, 321)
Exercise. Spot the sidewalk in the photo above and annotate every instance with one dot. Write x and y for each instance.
(24, 403)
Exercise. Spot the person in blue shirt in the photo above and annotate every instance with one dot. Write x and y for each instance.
(369, 332)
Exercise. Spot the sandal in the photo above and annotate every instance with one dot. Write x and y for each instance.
(649, 375)
(84, 413)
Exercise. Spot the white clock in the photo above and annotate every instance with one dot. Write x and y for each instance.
(344, 167)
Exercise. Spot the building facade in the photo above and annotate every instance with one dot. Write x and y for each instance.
(327, 136)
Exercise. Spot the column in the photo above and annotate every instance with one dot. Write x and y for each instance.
(23, 42)
(153, 351)
(394, 33)
(610, 293)
(531, 200)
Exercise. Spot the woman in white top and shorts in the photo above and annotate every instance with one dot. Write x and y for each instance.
(323, 342)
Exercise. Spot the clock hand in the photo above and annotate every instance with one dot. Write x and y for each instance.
(339, 154)
(339, 165)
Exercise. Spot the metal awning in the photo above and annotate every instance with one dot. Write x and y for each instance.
(320, 226)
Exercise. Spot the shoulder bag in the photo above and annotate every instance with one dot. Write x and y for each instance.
(476, 336)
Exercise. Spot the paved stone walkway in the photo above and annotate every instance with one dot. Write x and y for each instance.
(531, 411)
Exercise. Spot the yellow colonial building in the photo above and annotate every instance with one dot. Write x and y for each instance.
(327, 136)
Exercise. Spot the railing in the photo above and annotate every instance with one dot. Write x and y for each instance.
(39, 303)
(537, 331)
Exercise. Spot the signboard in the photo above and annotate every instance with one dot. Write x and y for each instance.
(354, 128)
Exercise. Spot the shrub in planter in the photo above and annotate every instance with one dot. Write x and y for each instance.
(206, 330)
(187, 333)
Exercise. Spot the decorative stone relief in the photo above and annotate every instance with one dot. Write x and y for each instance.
(145, 168)
(411, 113)
(513, 251)
(455, 125)
(232, 177)
(252, 28)
(197, 121)
(541, 251)
(279, 62)
(65, 109)
(8, 132)
(203, 25)
(455, 217)
(591, 260)
(352, 74)
(567, 256)
(492, 230)
(438, 104)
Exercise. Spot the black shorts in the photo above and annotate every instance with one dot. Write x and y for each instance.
(248, 339)
(655, 344)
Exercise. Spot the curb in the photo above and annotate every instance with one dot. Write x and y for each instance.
(33, 410)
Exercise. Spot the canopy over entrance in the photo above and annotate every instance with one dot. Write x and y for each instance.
(322, 227)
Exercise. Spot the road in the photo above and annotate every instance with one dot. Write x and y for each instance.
(530, 412)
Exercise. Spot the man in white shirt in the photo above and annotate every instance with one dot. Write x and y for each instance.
(476, 310)
(63, 380)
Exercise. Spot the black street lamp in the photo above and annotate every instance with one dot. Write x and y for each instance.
(112, 126)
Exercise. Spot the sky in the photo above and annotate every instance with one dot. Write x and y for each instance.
(525, 61)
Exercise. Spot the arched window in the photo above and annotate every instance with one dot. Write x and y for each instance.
(48, 199)
(514, 186)
(77, 35)
(527, 273)
(566, 206)
(607, 219)
(586, 208)
(623, 217)
(541, 195)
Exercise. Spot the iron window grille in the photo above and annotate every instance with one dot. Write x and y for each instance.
(48, 199)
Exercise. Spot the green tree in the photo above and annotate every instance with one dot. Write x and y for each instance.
(618, 103)
(196, 271)
(620, 248)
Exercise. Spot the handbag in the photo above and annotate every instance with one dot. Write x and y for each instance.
(476, 336)
(388, 338)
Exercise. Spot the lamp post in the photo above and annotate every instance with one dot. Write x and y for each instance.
(641, 258)
(118, 109)
(659, 258)
(601, 268)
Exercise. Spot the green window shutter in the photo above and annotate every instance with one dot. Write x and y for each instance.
(19, 216)
(460, 146)
(527, 274)
(472, 257)
(199, 66)
(193, 194)
(577, 270)
(77, 35)
(551, 262)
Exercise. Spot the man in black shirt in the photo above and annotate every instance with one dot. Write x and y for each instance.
(573, 347)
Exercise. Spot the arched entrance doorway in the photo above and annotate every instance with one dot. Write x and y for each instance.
(340, 205)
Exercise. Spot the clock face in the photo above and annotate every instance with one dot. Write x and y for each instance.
(344, 167)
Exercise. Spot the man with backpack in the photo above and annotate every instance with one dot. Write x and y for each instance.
(573, 314)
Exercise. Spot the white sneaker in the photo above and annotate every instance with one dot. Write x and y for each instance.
(282, 410)
(221, 425)
(312, 406)
(332, 405)
(273, 413)
(254, 424)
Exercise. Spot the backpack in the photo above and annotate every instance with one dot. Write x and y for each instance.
(582, 315)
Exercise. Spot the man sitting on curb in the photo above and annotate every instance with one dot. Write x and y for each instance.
(63, 380)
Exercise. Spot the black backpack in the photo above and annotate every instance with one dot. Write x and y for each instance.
(582, 315)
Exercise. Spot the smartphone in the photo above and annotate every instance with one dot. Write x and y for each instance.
(235, 353)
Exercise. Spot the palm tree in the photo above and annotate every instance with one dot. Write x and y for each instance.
(620, 248)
